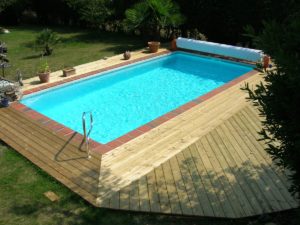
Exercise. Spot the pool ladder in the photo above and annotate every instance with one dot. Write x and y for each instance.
(86, 135)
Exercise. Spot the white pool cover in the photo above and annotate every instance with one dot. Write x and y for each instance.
(248, 54)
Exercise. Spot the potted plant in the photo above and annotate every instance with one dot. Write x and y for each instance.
(173, 42)
(68, 71)
(153, 46)
(127, 55)
(44, 72)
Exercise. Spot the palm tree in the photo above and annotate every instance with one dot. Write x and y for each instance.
(46, 40)
(150, 16)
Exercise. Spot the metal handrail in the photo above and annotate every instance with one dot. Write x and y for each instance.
(86, 135)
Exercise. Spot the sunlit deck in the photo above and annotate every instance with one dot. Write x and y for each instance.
(206, 161)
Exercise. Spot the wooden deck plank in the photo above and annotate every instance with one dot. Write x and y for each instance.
(114, 202)
(181, 189)
(232, 169)
(143, 194)
(104, 203)
(199, 186)
(153, 194)
(195, 203)
(215, 175)
(221, 174)
(125, 198)
(171, 188)
(162, 190)
(205, 174)
(134, 196)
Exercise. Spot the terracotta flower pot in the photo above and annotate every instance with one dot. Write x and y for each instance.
(127, 55)
(44, 77)
(69, 71)
(173, 44)
(153, 46)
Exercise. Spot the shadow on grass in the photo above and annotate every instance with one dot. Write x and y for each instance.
(87, 36)
(29, 44)
(26, 209)
(118, 49)
(32, 57)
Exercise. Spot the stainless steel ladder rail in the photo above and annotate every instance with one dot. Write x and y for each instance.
(86, 135)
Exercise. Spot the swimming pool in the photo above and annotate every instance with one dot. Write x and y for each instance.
(129, 97)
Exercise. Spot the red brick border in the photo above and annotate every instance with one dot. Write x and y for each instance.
(66, 132)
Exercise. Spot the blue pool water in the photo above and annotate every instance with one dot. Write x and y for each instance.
(124, 99)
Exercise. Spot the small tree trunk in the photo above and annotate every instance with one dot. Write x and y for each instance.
(47, 50)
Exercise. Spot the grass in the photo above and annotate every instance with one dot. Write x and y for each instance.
(22, 184)
(77, 46)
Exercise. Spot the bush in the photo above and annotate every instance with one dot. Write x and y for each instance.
(278, 97)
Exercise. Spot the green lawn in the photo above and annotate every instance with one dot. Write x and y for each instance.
(77, 46)
(22, 184)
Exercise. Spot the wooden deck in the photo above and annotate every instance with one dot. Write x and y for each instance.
(206, 161)
(226, 173)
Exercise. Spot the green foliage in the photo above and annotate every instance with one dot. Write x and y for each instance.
(278, 97)
(150, 16)
(6, 3)
(221, 21)
(45, 40)
(44, 67)
(93, 12)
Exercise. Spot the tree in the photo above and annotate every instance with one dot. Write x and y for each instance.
(278, 97)
(46, 40)
(150, 16)
(6, 3)
(93, 12)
